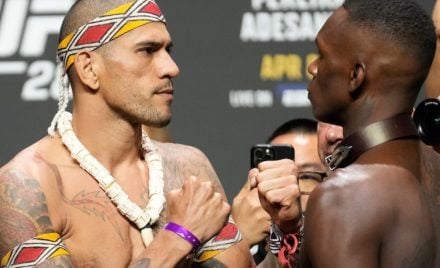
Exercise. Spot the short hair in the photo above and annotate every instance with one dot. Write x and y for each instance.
(401, 21)
(83, 11)
(297, 126)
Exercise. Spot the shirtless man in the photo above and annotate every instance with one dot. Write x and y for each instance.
(104, 213)
(371, 212)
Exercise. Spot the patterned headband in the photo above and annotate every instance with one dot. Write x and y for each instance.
(108, 27)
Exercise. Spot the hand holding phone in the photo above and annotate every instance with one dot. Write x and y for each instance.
(265, 152)
(277, 184)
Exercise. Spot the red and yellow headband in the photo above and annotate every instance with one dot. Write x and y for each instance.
(108, 27)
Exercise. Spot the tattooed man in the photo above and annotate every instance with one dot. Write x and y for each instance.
(92, 193)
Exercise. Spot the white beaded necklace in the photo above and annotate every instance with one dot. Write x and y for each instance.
(143, 218)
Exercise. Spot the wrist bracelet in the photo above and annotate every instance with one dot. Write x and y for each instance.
(184, 233)
(227, 237)
(275, 239)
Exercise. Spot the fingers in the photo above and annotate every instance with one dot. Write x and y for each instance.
(267, 185)
(252, 178)
(278, 191)
(283, 196)
(274, 164)
(270, 169)
(192, 185)
(252, 220)
(276, 175)
(198, 208)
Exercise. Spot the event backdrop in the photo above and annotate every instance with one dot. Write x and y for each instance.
(243, 72)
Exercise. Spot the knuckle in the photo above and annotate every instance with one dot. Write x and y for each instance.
(261, 189)
(217, 196)
(227, 207)
(293, 169)
(271, 197)
(292, 179)
(208, 184)
(288, 161)
(172, 193)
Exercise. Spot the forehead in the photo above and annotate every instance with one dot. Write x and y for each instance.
(299, 139)
(306, 149)
(152, 32)
(335, 28)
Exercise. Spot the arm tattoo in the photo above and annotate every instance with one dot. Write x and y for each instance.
(179, 163)
(58, 262)
(23, 209)
(189, 161)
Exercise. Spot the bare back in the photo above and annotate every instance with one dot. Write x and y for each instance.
(44, 190)
(372, 213)
(431, 186)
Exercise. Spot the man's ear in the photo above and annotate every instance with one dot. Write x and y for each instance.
(357, 76)
(86, 67)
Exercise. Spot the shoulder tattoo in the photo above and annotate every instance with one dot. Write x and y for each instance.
(23, 209)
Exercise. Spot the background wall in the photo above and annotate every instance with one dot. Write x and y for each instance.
(243, 72)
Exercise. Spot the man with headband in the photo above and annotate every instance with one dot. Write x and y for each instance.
(92, 194)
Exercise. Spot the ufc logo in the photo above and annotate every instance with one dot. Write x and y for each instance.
(25, 26)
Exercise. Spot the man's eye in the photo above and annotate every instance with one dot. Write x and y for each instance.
(311, 175)
(148, 50)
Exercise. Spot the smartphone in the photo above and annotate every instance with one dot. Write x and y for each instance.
(264, 152)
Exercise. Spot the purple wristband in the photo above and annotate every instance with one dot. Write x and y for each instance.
(184, 233)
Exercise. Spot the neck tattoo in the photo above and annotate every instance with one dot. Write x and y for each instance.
(143, 218)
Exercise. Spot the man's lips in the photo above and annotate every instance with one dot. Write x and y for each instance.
(169, 91)
(167, 94)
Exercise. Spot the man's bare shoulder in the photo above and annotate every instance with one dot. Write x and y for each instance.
(182, 161)
(27, 161)
(37, 158)
(366, 200)
(369, 175)
(357, 185)
(23, 207)
(177, 150)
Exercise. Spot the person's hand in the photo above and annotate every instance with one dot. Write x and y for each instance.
(252, 220)
(198, 208)
(279, 193)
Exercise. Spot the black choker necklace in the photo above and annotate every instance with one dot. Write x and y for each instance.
(398, 127)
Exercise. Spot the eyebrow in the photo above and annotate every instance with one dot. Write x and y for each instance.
(155, 44)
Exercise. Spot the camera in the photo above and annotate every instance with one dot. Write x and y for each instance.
(265, 152)
(427, 120)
